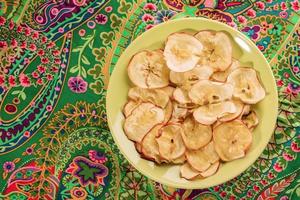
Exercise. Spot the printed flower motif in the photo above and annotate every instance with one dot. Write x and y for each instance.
(49, 77)
(24, 80)
(8, 166)
(147, 18)
(91, 24)
(78, 193)
(287, 156)
(77, 84)
(2, 80)
(81, 32)
(251, 13)
(3, 44)
(97, 157)
(283, 6)
(35, 35)
(32, 47)
(35, 74)
(45, 60)
(12, 81)
(80, 2)
(260, 5)
(163, 15)
(295, 147)
(91, 10)
(150, 6)
(2, 21)
(60, 30)
(266, 26)
(41, 69)
(296, 69)
(277, 167)
(108, 9)
(149, 26)
(101, 19)
(252, 32)
(283, 14)
(293, 88)
(242, 19)
(295, 5)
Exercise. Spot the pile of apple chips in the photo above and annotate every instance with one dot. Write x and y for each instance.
(192, 103)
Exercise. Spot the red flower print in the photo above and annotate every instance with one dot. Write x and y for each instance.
(54, 69)
(251, 13)
(269, 1)
(44, 60)
(260, 5)
(242, 19)
(35, 74)
(295, 5)
(276, 7)
(24, 80)
(287, 156)
(9, 166)
(150, 6)
(11, 25)
(11, 81)
(147, 18)
(27, 31)
(14, 43)
(57, 61)
(32, 47)
(149, 26)
(216, 188)
(19, 29)
(41, 69)
(256, 188)
(283, 6)
(51, 44)
(279, 83)
(264, 182)
(2, 21)
(232, 197)
(55, 52)
(41, 52)
(286, 75)
(249, 194)
(44, 39)
(35, 35)
(295, 147)
(101, 19)
(296, 69)
(3, 44)
(277, 167)
(108, 9)
(77, 84)
(81, 32)
(27, 134)
(39, 81)
(223, 194)
(283, 14)
(23, 45)
(2, 80)
(49, 77)
(270, 175)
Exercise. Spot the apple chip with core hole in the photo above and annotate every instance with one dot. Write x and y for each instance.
(208, 92)
(231, 116)
(231, 140)
(203, 158)
(247, 86)
(209, 114)
(195, 135)
(141, 121)
(250, 119)
(182, 52)
(211, 170)
(188, 172)
(156, 96)
(129, 107)
(221, 76)
(217, 50)
(170, 142)
(148, 69)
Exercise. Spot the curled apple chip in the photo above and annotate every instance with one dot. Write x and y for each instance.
(246, 85)
(209, 92)
(179, 160)
(210, 113)
(188, 172)
(217, 50)
(180, 95)
(148, 69)
(250, 119)
(170, 143)
(203, 158)
(141, 121)
(195, 135)
(179, 113)
(221, 76)
(129, 107)
(168, 112)
(211, 170)
(168, 91)
(182, 52)
(231, 140)
(231, 116)
(191, 77)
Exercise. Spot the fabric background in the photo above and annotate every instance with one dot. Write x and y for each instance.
(56, 59)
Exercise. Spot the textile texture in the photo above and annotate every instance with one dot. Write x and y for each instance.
(56, 59)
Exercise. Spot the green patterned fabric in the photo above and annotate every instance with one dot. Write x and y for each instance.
(56, 59)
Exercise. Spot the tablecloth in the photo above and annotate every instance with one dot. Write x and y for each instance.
(56, 60)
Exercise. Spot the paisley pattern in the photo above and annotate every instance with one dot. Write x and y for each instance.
(56, 58)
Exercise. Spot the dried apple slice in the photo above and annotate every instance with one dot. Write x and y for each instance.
(170, 142)
(250, 119)
(195, 135)
(129, 107)
(188, 172)
(202, 159)
(168, 91)
(231, 140)
(221, 76)
(141, 121)
(211, 170)
(179, 160)
(209, 114)
(181, 95)
(156, 96)
(217, 50)
(191, 77)
(208, 92)
(148, 69)
(246, 85)
(182, 52)
(231, 116)
(168, 112)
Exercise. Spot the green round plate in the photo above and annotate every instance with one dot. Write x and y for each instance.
(243, 50)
